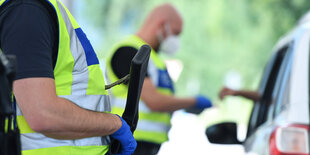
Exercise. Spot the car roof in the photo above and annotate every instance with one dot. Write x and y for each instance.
(304, 22)
(300, 30)
(305, 18)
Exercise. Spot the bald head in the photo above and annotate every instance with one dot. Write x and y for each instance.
(165, 14)
(160, 16)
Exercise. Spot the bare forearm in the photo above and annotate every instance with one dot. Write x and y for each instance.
(167, 103)
(161, 102)
(67, 135)
(51, 115)
(174, 103)
(69, 121)
(252, 95)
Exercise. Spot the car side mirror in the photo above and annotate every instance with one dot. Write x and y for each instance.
(223, 133)
(194, 110)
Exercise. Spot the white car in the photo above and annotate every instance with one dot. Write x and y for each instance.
(280, 120)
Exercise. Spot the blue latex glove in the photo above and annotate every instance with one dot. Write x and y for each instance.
(203, 102)
(125, 137)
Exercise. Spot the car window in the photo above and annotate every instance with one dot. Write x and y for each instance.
(274, 83)
(268, 82)
(282, 99)
(280, 95)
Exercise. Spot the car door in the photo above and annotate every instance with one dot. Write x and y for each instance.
(258, 126)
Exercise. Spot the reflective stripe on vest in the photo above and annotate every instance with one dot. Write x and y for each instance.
(152, 126)
(79, 79)
(3, 1)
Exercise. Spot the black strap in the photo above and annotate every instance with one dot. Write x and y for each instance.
(9, 137)
(124, 79)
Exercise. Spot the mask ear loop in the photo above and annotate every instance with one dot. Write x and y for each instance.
(160, 36)
(168, 29)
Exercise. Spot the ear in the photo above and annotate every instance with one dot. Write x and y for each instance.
(162, 26)
(161, 22)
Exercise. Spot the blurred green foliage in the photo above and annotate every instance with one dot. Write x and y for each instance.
(218, 36)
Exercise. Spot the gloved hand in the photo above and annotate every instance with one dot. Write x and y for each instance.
(125, 137)
(203, 102)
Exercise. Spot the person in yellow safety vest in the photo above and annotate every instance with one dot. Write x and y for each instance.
(160, 31)
(62, 106)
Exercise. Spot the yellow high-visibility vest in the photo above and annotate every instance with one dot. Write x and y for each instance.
(78, 78)
(152, 126)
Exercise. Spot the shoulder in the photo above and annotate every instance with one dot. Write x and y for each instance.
(26, 3)
(125, 51)
(27, 8)
(28, 31)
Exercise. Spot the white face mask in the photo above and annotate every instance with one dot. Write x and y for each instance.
(171, 44)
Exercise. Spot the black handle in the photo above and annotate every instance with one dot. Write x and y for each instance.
(115, 146)
(7, 74)
(137, 74)
(9, 137)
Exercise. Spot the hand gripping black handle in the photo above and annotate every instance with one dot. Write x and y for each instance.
(138, 70)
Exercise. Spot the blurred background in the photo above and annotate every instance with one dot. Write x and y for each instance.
(223, 42)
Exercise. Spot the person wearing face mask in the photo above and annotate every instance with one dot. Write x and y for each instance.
(161, 31)
(171, 44)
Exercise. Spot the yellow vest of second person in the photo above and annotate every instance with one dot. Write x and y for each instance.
(78, 78)
(152, 126)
